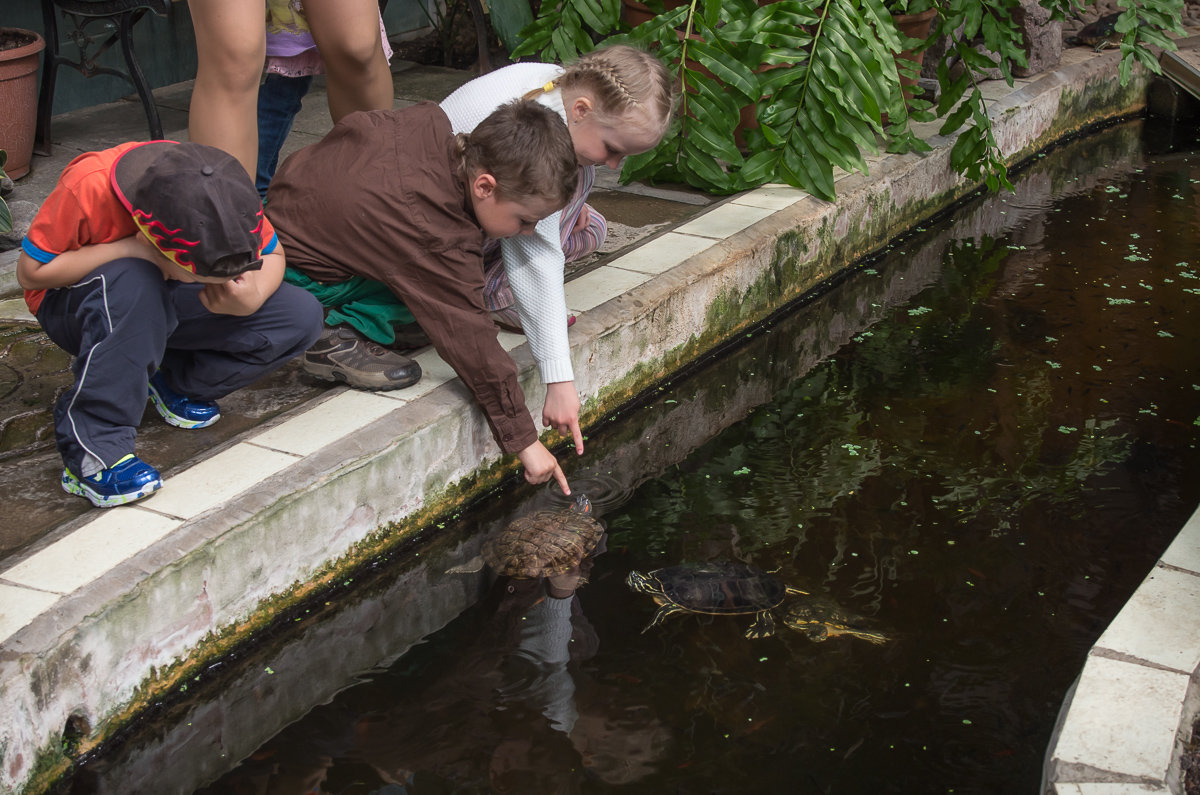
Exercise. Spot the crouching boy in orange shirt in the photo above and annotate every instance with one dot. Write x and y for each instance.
(152, 264)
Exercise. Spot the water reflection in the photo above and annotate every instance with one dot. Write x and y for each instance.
(507, 708)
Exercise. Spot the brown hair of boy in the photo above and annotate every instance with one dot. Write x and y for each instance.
(621, 80)
(527, 148)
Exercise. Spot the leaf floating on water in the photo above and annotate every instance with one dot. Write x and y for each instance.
(1066, 429)
(1053, 365)
(1165, 334)
(1115, 301)
(742, 471)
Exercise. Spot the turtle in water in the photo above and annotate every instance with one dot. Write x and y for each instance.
(541, 544)
(717, 588)
(820, 618)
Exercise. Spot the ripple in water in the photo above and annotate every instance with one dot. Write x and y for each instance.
(604, 492)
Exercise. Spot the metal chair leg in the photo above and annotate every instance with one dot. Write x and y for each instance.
(136, 76)
(50, 60)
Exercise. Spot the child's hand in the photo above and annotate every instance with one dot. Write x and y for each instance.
(581, 223)
(541, 465)
(561, 411)
(239, 296)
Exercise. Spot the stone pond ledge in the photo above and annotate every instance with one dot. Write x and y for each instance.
(117, 609)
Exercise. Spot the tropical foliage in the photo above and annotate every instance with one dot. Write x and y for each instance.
(5, 213)
(822, 78)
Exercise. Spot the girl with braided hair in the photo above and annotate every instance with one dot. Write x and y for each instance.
(617, 101)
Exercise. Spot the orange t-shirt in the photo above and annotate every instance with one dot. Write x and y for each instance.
(83, 209)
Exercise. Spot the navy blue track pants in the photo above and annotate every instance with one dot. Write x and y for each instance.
(123, 321)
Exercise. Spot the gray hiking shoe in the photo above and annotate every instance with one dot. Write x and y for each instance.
(342, 354)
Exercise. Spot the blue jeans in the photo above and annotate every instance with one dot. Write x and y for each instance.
(279, 100)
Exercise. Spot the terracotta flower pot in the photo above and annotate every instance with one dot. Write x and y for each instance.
(19, 51)
(915, 26)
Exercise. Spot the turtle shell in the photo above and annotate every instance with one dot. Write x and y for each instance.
(543, 544)
(719, 588)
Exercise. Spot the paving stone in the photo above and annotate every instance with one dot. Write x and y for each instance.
(1184, 552)
(592, 289)
(91, 550)
(19, 606)
(1137, 744)
(1108, 788)
(658, 255)
(724, 221)
(773, 196)
(326, 422)
(216, 479)
(1160, 623)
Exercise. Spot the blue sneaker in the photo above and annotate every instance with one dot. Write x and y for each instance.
(129, 479)
(180, 411)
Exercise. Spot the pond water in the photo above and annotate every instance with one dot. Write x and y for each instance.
(977, 444)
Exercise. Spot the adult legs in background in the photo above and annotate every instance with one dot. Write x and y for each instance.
(356, 68)
(231, 46)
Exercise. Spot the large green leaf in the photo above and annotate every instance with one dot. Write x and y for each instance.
(509, 18)
(822, 72)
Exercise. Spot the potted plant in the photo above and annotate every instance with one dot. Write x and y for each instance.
(19, 52)
(823, 77)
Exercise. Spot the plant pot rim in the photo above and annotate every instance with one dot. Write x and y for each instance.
(32, 48)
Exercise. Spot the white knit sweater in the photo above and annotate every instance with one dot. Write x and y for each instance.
(534, 263)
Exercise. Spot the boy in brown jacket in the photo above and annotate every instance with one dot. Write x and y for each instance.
(392, 207)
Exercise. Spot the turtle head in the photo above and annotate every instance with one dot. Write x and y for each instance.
(640, 582)
(581, 503)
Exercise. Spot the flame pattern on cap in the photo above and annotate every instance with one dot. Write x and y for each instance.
(176, 248)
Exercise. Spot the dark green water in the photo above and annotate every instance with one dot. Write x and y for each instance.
(980, 443)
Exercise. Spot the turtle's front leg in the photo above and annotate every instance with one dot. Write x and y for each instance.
(763, 626)
(663, 613)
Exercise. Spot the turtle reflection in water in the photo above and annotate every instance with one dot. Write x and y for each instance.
(544, 543)
(726, 588)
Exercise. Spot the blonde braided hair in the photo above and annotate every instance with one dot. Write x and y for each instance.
(622, 81)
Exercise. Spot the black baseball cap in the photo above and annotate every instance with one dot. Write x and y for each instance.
(196, 203)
